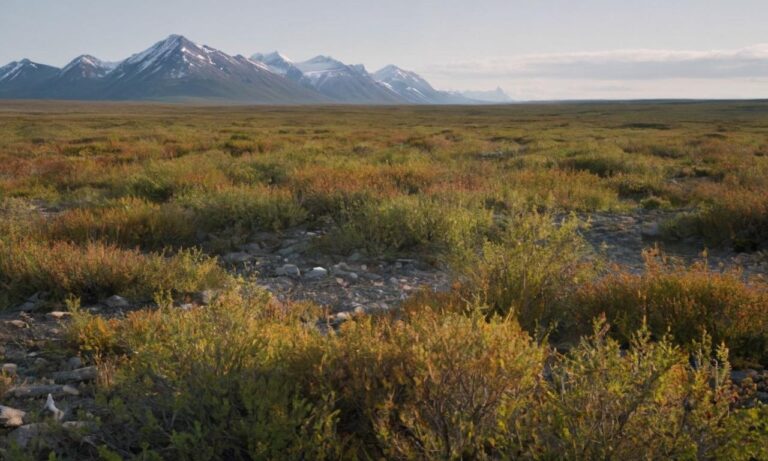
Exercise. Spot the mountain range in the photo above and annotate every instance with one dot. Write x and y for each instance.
(177, 69)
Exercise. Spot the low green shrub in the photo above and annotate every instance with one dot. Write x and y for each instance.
(126, 222)
(95, 270)
(529, 270)
(245, 207)
(411, 223)
(236, 381)
(684, 301)
(736, 218)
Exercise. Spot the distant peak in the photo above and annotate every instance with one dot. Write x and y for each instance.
(273, 57)
(175, 38)
(322, 58)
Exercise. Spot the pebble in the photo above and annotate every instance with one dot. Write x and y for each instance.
(17, 323)
(9, 369)
(74, 363)
(40, 390)
(290, 270)
(252, 248)
(77, 375)
(239, 257)
(650, 230)
(316, 273)
(117, 302)
(11, 417)
(205, 297)
(58, 315)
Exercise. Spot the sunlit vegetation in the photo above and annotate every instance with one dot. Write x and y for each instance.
(540, 350)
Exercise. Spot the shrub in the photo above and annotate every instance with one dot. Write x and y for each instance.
(236, 381)
(127, 222)
(248, 208)
(411, 223)
(683, 301)
(214, 370)
(529, 271)
(647, 402)
(736, 217)
(96, 270)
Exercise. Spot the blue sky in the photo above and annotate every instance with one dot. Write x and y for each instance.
(534, 49)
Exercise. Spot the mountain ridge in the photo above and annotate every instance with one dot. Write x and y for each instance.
(177, 68)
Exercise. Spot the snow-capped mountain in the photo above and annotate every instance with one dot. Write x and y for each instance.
(177, 68)
(413, 88)
(279, 64)
(345, 83)
(20, 79)
(86, 66)
(82, 78)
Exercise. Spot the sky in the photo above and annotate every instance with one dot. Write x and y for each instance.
(532, 49)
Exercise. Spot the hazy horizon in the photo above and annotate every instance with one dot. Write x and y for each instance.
(533, 50)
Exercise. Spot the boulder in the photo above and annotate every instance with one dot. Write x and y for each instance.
(11, 417)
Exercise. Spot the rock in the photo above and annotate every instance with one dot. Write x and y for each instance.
(24, 434)
(39, 390)
(74, 363)
(355, 256)
(205, 297)
(359, 310)
(737, 376)
(17, 323)
(341, 268)
(239, 257)
(11, 417)
(316, 273)
(27, 306)
(9, 369)
(342, 317)
(186, 306)
(79, 426)
(252, 248)
(290, 270)
(50, 407)
(117, 302)
(76, 376)
(58, 315)
(34, 302)
(650, 230)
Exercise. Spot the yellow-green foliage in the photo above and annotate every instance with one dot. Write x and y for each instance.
(96, 270)
(250, 208)
(412, 223)
(128, 221)
(529, 270)
(244, 383)
(683, 301)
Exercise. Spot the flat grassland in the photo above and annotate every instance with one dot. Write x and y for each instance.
(603, 265)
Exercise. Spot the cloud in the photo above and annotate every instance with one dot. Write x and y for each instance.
(750, 62)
